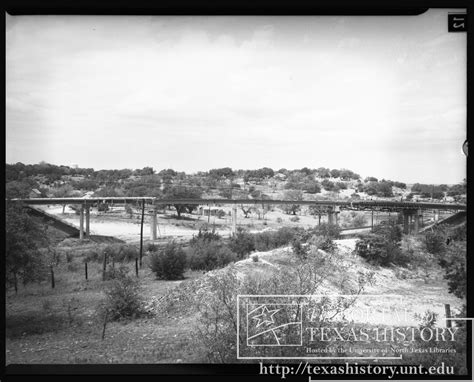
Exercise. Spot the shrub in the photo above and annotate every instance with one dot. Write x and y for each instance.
(327, 230)
(454, 264)
(295, 219)
(206, 234)
(151, 247)
(391, 231)
(170, 263)
(242, 243)
(458, 233)
(324, 243)
(380, 250)
(359, 221)
(121, 252)
(265, 241)
(299, 249)
(128, 253)
(72, 267)
(90, 255)
(208, 255)
(284, 235)
(123, 299)
(435, 242)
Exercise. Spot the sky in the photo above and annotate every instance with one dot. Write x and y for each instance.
(383, 96)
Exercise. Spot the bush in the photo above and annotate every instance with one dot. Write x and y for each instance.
(206, 234)
(121, 252)
(458, 233)
(435, 242)
(170, 263)
(242, 243)
(123, 298)
(299, 249)
(90, 255)
(378, 249)
(324, 243)
(294, 219)
(265, 241)
(327, 230)
(391, 231)
(208, 255)
(151, 247)
(382, 246)
(454, 264)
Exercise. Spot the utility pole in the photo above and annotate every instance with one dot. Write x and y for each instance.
(141, 231)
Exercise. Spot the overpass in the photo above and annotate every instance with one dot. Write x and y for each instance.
(411, 212)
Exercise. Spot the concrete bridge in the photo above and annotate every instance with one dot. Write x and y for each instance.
(410, 212)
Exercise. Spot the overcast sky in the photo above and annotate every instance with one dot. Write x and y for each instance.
(382, 96)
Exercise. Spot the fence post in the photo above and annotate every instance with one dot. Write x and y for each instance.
(52, 277)
(85, 269)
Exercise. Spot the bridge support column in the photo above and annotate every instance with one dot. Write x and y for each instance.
(406, 222)
(88, 221)
(81, 223)
(153, 224)
(234, 220)
(417, 222)
(331, 216)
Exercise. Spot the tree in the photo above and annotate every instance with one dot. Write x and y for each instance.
(225, 172)
(296, 195)
(295, 181)
(23, 261)
(246, 210)
(18, 189)
(183, 192)
(311, 186)
(371, 179)
(63, 192)
(144, 171)
(323, 172)
(328, 185)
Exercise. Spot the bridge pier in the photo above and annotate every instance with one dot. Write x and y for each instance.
(417, 215)
(87, 208)
(81, 223)
(234, 220)
(153, 223)
(406, 221)
(411, 221)
(332, 215)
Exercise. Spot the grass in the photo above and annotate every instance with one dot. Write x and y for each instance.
(41, 329)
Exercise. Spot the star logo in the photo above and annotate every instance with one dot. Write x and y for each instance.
(266, 317)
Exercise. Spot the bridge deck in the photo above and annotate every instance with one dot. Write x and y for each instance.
(343, 204)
